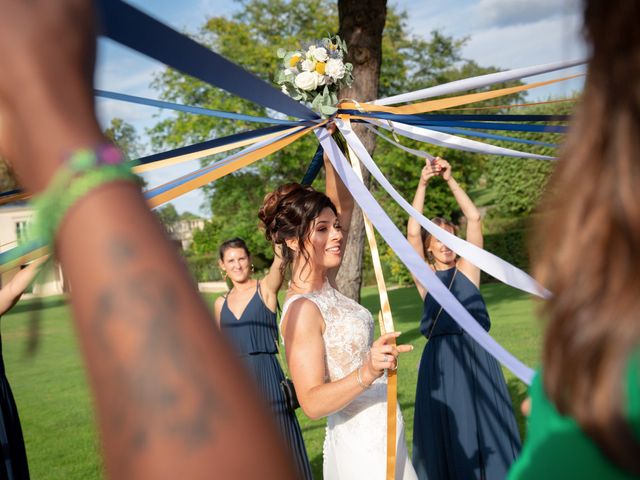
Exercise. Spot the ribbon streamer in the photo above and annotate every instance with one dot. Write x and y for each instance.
(209, 147)
(491, 136)
(412, 151)
(386, 326)
(187, 183)
(478, 82)
(130, 27)
(186, 108)
(420, 121)
(415, 264)
(486, 261)
(431, 105)
(455, 142)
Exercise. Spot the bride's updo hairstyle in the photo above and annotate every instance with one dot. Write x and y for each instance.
(288, 213)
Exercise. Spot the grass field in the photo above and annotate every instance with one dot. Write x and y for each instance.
(55, 406)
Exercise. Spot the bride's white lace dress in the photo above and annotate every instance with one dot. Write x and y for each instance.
(355, 444)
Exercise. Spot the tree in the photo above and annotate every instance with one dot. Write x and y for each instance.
(7, 178)
(518, 183)
(167, 214)
(361, 26)
(124, 135)
(251, 39)
(188, 216)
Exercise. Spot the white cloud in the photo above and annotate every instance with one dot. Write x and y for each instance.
(503, 13)
(546, 41)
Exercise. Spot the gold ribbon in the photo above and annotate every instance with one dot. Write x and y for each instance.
(207, 152)
(232, 166)
(386, 326)
(26, 258)
(431, 105)
(186, 187)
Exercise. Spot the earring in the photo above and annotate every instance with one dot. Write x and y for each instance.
(252, 268)
(224, 274)
(430, 256)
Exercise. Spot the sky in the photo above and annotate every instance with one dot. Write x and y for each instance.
(502, 33)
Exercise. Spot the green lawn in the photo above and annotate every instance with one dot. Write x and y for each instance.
(55, 407)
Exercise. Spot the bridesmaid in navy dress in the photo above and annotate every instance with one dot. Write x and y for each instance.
(247, 315)
(464, 425)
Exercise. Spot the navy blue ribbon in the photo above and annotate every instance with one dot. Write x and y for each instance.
(179, 181)
(417, 121)
(314, 167)
(465, 117)
(127, 25)
(216, 142)
(472, 133)
(186, 108)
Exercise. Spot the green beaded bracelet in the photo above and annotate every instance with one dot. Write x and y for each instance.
(84, 171)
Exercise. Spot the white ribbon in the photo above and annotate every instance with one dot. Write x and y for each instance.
(477, 82)
(452, 141)
(214, 166)
(486, 261)
(412, 151)
(414, 263)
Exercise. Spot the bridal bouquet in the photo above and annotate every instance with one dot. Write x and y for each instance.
(315, 74)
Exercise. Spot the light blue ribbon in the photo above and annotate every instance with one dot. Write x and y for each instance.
(414, 263)
(185, 108)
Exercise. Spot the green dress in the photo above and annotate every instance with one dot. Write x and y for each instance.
(556, 447)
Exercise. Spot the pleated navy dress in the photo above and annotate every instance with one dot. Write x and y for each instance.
(255, 335)
(464, 425)
(14, 457)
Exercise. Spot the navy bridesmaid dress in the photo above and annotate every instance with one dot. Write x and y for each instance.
(14, 457)
(254, 336)
(464, 425)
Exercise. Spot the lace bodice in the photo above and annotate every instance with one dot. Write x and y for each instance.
(348, 332)
(356, 440)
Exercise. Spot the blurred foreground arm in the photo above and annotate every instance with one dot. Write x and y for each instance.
(172, 401)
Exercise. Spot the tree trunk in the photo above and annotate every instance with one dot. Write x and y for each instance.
(361, 26)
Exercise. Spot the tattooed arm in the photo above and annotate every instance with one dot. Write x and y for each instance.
(172, 401)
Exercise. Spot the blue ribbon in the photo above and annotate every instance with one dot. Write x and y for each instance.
(472, 133)
(314, 167)
(198, 173)
(466, 117)
(8, 193)
(216, 142)
(418, 120)
(127, 25)
(185, 108)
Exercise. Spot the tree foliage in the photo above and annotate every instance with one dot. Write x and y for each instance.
(124, 135)
(251, 38)
(7, 178)
(167, 214)
(517, 183)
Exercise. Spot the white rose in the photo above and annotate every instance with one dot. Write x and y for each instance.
(307, 81)
(308, 65)
(322, 79)
(335, 68)
(320, 54)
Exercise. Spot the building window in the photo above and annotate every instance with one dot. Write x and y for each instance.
(21, 230)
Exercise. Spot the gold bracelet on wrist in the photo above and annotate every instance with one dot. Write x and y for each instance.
(360, 382)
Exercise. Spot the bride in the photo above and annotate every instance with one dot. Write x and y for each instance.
(336, 367)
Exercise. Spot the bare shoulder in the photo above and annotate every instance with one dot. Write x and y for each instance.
(302, 315)
(217, 304)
